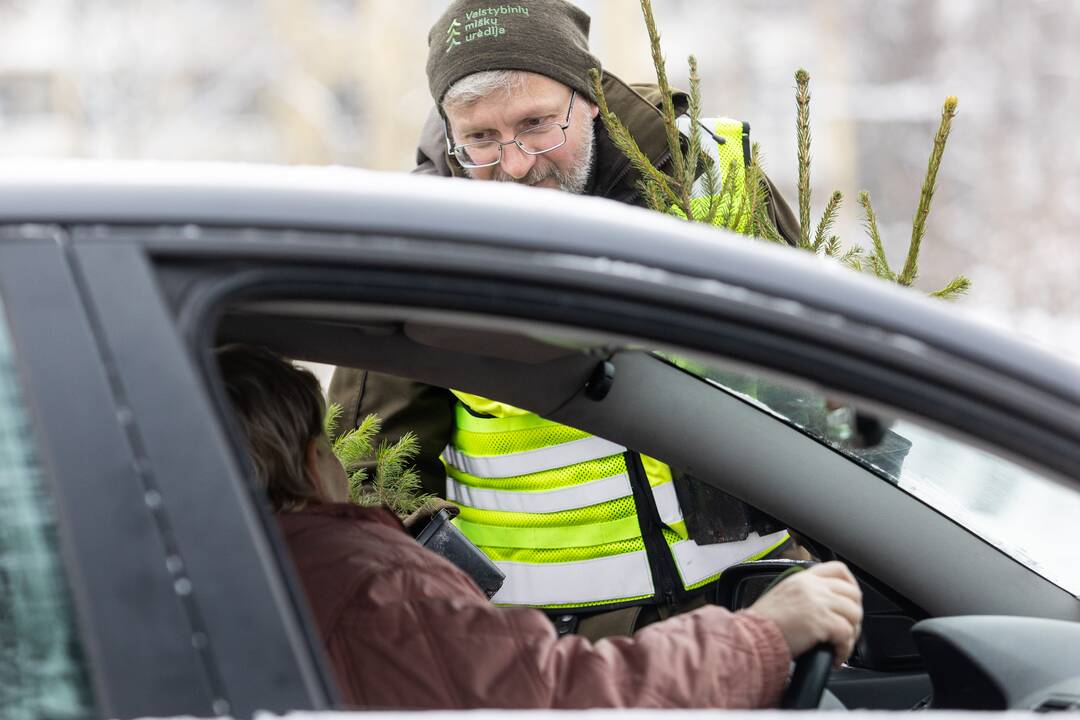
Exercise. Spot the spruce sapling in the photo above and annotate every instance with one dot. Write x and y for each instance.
(725, 204)
(396, 483)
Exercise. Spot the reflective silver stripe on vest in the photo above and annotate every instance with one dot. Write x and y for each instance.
(698, 562)
(547, 501)
(532, 461)
(575, 583)
(667, 503)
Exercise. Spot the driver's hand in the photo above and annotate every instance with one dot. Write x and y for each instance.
(822, 604)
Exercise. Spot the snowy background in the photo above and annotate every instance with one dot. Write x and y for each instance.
(342, 81)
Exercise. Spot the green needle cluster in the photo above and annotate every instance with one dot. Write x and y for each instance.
(718, 203)
(395, 483)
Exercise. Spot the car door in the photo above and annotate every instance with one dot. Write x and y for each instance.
(639, 278)
(759, 465)
(181, 608)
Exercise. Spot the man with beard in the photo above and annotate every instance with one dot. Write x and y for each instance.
(514, 103)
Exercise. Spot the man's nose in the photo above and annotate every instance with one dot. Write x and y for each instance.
(515, 162)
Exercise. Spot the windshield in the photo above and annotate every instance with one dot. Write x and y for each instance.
(1025, 515)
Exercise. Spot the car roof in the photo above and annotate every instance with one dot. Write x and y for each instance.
(602, 237)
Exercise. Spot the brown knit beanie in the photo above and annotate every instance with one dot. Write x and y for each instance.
(549, 37)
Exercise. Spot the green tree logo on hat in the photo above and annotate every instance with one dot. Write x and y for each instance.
(452, 34)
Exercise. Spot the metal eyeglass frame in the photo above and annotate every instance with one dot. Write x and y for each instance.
(452, 149)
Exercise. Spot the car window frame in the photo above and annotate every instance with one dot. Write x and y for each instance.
(371, 281)
(92, 472)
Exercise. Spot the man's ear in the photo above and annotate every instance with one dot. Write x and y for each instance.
(594, 110)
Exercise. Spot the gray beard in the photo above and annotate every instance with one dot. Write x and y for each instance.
(575, 180)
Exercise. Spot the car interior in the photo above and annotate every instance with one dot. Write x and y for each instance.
(914, 563)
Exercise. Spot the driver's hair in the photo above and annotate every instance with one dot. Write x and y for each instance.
(280, 408)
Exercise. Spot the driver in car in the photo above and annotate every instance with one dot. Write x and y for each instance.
(403, 628)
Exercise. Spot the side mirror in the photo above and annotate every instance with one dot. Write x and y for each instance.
(741, 585)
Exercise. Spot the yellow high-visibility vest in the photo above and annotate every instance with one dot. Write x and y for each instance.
(560, 512)
(732, 155)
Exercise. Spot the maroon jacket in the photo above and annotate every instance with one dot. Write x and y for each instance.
(403, 628)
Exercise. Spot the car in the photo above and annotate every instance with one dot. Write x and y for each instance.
(143, 574)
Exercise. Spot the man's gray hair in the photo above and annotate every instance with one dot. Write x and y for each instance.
(476, 87)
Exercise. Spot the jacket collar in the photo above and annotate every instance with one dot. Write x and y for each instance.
(301, 517)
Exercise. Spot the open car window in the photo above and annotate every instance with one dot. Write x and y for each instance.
(1025, 515)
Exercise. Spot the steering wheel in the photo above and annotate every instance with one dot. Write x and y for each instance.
(811, 672)
(808, 680)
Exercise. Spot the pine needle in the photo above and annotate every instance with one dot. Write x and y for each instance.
(626, 143)
(958, 286)
(802, 122)
(354, 446)
(693, 152)
(763, 225)
(728, 192)
(674, 137)
(832, 246)
(652, 193)
(828, 219)
(853, 258)
(391, 460)
(755, 189)
(711, 186)
(744, 209)
(396, 483)
(926, 196)
(331, 418)
(741, 215)
(879, 264)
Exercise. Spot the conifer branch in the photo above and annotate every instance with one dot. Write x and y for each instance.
(331, 419)
(765, 226)
(853, 257)
(670, 128)
(693, 152)
(802, 121)
(354, 446)
(958, 286)
(756, 192)
(710, 184)
(741, 215)
(832, 246)
(653, 194)
(728, 193)
(926, 196)
(878, 262)
(744, 208)
(395, 484)
(828, 219)
(768, 230)
(626, 143)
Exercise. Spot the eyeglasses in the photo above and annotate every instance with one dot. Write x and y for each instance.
(532, 141)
